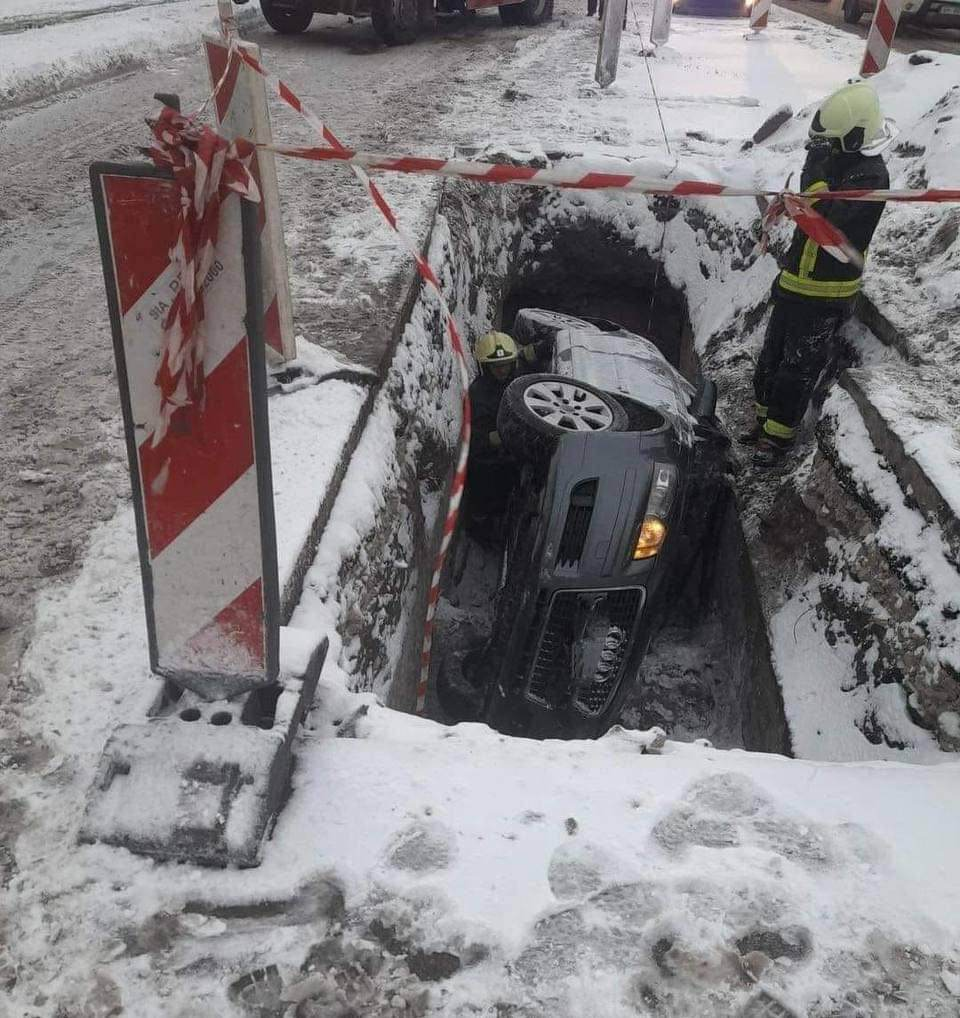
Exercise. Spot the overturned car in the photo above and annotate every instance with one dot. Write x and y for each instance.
(621, 479)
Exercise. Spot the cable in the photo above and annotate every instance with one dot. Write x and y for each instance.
(653, 87)
(658, 258)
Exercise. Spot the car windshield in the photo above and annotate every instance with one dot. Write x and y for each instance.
(610, 358)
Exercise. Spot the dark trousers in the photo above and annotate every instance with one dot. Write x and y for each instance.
(490, 482)
(797, 347)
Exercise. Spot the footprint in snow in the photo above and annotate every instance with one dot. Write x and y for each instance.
(578, 868)
(422, 847)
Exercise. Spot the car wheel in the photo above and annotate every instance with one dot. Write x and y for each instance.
(397, 22)
(529, 12)
(537, 410)
(288, 17)
(851, 11)
(459, 699)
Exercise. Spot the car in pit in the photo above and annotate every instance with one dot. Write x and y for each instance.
(622, 482)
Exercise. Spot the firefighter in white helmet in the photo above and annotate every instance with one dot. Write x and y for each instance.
(814, 292)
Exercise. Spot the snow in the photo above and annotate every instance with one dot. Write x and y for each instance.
(904, 533)
(567, 878)
(309, 429)
(63, 54)
(914, 410)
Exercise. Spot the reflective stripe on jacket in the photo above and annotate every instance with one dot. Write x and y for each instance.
(807, 270)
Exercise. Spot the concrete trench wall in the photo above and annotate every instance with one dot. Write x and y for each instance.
(498, 249)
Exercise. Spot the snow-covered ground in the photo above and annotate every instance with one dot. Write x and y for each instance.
(76, 41)
(630, 876)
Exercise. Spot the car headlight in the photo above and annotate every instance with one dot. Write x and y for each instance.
(653, 529)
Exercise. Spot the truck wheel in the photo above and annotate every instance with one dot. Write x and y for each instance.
(529, 12)
(288, 17)
(397, 22)
(851, 11)
(537, 410)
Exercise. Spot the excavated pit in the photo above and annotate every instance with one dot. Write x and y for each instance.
(787, 555)
(708, 672)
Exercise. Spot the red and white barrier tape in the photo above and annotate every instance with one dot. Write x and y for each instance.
(206, 168)
(797, 206)
(582, 179)
(288, 96)
(883, 28)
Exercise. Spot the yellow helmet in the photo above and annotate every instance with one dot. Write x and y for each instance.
(495, 348)
(851, 116)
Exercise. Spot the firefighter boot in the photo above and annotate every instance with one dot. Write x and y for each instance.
(752, 436)
(771, 450)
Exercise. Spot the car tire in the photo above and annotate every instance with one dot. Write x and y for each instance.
(397, 22)
(529, 12)
(530, 435)
(456, 696)
(287, 18)
(852, 11)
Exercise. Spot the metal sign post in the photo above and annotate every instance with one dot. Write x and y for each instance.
(203, 493)
(611, 28)
(660, 21)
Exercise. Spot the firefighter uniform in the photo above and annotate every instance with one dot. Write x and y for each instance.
(814, 292)
(491, 472)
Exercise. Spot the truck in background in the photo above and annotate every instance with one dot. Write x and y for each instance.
(397, 21)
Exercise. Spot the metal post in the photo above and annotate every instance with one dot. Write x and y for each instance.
(660, 21)
(611, 28)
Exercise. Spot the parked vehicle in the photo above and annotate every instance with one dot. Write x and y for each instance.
(929, 13)
(714, 8)
(396, 21)
(622, 476)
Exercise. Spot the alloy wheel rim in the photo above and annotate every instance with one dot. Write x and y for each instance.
(568, 406)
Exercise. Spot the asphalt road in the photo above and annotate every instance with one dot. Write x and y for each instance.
(909, 38)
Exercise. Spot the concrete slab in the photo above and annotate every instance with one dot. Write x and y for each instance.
(911, 414)
(313, 433)
(201, 782)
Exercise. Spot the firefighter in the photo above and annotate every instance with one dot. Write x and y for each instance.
(491, 471)
(814, 292)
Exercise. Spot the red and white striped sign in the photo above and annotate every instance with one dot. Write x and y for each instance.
(206, 535)
(880, 38)
(240, 102)
(760, 14)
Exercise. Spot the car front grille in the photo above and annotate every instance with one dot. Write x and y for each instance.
(548, 662)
